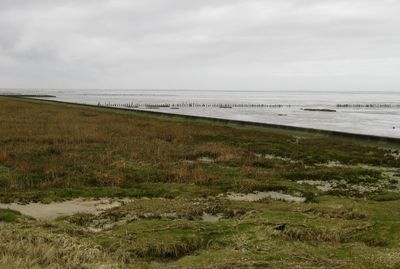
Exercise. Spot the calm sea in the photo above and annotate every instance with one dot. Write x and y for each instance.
(374, 113)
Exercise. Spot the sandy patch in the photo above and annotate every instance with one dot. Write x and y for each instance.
(272, 157)
(211, 218)
(206, 160)
(321, 185)
(257, 196)
(51, 211)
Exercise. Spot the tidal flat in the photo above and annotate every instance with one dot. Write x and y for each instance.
(131, 190)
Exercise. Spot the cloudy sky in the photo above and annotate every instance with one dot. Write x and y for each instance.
(201, 44)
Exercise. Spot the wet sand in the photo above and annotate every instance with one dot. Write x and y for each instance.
(253, 197)
(51, 211)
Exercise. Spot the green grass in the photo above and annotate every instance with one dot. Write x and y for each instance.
(350, 175)
(7, 215)
(176, 171)
(150, 190)
(386, 196)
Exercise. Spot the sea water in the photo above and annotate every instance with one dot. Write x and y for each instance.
(382, 119)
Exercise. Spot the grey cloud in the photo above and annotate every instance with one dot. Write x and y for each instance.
(230, 44)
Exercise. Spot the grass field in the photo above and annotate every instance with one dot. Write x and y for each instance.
(178, 170)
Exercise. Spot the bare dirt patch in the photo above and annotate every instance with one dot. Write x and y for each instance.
(51, 211)
(257, 196)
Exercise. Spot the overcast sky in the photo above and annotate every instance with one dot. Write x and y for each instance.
(201, 44)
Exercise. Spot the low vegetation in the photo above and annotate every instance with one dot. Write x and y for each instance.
(178, 175)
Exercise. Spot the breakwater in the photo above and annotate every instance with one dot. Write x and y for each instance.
(368, 106)
(188, 104)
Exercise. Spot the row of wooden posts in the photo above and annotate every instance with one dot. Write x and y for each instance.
(227, 105)
(368, 105)
(179, 105)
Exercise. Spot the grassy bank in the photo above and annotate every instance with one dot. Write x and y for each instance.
(52, 152)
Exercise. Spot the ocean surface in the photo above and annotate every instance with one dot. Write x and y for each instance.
(372, 113)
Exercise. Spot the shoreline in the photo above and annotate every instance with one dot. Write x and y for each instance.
(228, 121)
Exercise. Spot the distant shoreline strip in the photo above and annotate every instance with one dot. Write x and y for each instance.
(227, 121)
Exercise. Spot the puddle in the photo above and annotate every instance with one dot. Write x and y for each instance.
(327, 186)
(253, 197)
(211, 218)
(324, 186)
(272, 157)
(54, 210)
(206, 160)
(332, 164)
(390, 175)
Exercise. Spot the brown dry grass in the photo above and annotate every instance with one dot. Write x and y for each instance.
(37, 249)
(46, 145)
